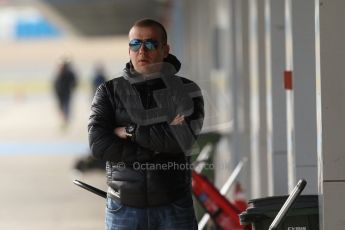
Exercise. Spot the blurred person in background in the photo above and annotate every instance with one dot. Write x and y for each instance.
(64, 85)
(143, 191)
(98, 78)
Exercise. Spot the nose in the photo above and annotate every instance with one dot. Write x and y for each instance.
(142, 49)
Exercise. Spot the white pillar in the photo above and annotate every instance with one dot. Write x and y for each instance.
(258, 157)
(330, 61)
(254, 99)
(242, 60)
(279, 144)
(269, 110)
(263, 135)
(289, 96)
(304, 93)
(224, 76)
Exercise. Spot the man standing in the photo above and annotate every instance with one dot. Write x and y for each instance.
(64, 85)
(144, 125)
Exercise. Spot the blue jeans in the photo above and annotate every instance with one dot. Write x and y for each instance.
(178, 215)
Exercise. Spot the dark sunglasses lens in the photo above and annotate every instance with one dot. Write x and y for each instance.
(150, 45)
(135, 47)
(135, 44)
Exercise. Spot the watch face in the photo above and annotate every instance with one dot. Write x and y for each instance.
(130, 129)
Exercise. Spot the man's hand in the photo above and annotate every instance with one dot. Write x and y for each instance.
(121, 132)
(178, 120)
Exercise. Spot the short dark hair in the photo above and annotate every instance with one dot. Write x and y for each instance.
(147, 22)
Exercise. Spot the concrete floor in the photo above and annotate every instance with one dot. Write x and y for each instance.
(37, 193)
(36, 166)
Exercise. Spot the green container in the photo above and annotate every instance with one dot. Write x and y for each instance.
(303, 215)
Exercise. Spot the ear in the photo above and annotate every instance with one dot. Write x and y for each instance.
(166, 50)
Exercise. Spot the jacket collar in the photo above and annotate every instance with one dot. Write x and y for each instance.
(170, 66)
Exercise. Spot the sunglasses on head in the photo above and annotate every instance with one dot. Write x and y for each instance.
(149, 44)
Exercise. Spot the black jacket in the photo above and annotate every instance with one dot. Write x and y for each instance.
(152, 167)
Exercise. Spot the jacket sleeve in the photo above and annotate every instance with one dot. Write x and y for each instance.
(166, 138)
(104, 144)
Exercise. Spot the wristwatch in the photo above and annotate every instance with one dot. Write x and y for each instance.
(130, 128)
